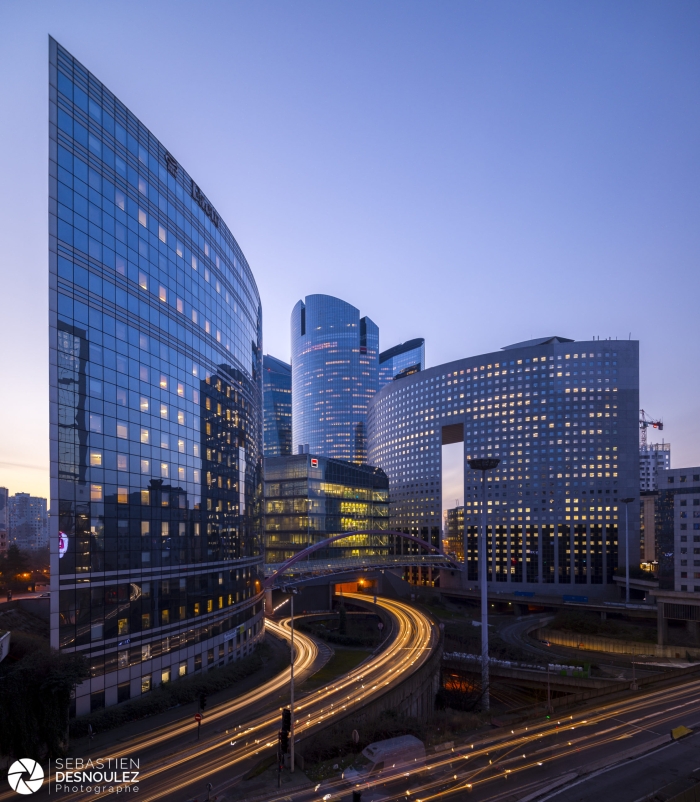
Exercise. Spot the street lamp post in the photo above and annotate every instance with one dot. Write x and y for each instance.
(484, 465)
(627, 502)
(292, 593)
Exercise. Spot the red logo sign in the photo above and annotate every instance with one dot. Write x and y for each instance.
(197, 717)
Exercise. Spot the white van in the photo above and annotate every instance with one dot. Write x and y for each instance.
(383, 760)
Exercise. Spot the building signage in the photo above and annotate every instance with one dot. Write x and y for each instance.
(171, 164)
(206, 207)
(62, 544)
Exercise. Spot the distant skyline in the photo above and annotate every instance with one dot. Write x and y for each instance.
(454, 170)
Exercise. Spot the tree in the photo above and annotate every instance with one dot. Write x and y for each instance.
(35, 694)
(13, 562)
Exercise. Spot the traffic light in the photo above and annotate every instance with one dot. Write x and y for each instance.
(286, 720)
(202, 701)
(284, 741)
(356, 796)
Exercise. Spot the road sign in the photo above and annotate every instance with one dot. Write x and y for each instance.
(197, 717)
(380, 626)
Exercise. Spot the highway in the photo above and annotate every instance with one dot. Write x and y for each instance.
(245, 733)
(544, 760)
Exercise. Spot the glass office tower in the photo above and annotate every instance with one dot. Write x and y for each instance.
(334, 376)
(401, 360)
(156, 405)
(277, 396)
(308, 499)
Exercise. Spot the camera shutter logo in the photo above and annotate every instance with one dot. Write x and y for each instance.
(25, 776)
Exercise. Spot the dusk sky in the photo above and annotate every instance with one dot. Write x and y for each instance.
(473, 173)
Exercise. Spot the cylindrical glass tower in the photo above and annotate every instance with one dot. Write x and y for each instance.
(334, 376)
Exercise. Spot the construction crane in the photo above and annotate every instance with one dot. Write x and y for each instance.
(644, 423)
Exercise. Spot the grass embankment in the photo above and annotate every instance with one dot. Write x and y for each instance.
(343, 660)
(356, 629)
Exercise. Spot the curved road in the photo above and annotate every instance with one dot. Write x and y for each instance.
(224, 757)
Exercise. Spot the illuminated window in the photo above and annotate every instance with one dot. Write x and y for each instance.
(122, 462)
(145, 496)
(164, 411)
(122, 495)
(181, 389)
(122, 431)
(181, 417)
(161, 233)
(95, 492)
(123, 626)
(143, 218)
(144, 435)
(143, 404)
(95, 459)
(163, 382)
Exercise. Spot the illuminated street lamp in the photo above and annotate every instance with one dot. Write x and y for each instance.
(627, 502)
(483, 465)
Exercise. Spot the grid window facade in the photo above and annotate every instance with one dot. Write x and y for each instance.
(562, 418)
(156, 404)
(277, 397)
(308, 499)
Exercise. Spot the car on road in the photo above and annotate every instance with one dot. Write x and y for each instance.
(386, 760)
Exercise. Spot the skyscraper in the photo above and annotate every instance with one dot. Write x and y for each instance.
(334, 376)
(562, 418)
(277, 397)
(401, 360)
(156, 405)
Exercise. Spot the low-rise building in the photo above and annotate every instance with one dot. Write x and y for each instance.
(310, 498)
(678, 529)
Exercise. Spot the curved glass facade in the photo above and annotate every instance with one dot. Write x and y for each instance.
(156, 405)
(401, 361)
(562, 418)
(334, 376)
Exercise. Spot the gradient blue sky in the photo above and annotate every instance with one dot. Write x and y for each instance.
(477, 173)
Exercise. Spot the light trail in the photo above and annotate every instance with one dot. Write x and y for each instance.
(306, 652)
(413, 642)
(505, 752)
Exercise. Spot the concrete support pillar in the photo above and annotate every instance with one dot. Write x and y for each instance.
(508, 553)
(556, 554)
(603, 615)
(605, 556)
(268, 602)
(692, 629)
(589, 561)
(572, 556)
(539, 555)
(661, 625)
